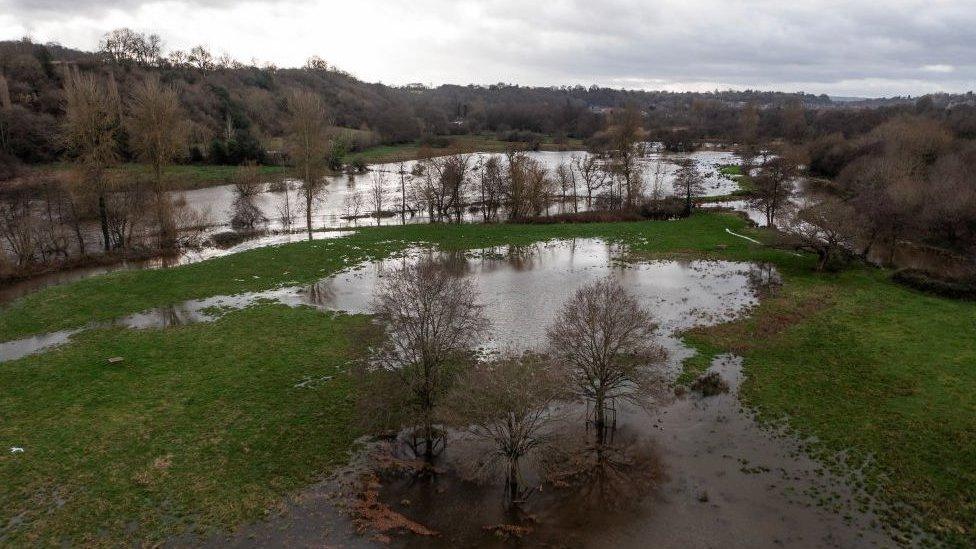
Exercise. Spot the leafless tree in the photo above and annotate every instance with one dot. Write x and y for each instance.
(376, 195)
(404, 177)
(517, 184)
(689, 182)
(425, 187)
(492, 183)
(508, 402)
(567, 184)
(353, 205)
(89, 130)
(826, 228)
(602, 337)
(247, 185)
(593, 175)
(308, 145)
(432, 319)
(628, 149)
(773, 187)
(157, 134)
(131, 206)
(539, 187)
(286, 213)
(19, 225)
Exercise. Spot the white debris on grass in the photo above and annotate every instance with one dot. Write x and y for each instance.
(16, 450)
(742, 236)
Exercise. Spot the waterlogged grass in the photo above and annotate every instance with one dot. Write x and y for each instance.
(886, 374)
(120, 293)
(200, 426)
(883, 373)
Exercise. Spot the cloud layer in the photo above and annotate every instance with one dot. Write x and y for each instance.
(820, 46)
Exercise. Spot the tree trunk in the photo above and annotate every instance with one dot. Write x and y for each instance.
(599, 419)
(103, 215)
(513, 483)
(308, 211)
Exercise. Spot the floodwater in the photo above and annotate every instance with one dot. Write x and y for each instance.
(12, 291)
(521, 287)
(337, 202)
(213, 207)
(702, 472)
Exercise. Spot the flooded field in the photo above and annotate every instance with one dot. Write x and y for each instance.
(338, 201)
(703, 473)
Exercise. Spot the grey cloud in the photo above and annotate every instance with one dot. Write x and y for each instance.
(890, 47)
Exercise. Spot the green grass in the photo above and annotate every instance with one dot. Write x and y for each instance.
(864, 365)
(875, 370)
(200, 427)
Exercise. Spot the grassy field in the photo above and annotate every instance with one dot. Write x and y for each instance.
(200, 426)
(461, 143)
(862, 364)
(885, 374)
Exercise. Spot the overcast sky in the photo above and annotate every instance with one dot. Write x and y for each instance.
(860, 48)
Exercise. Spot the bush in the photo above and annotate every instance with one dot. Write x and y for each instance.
(925, 282)
(667, 208)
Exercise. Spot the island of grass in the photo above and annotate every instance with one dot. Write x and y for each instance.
(206, 426)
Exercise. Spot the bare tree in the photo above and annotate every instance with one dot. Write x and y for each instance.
(376, 194)
(508, 402)
(432, 319)
(593, 175)
(773, 187)
(628, 149)
(449, 175)
(157, 134)
(286, 213)
(492, 185)
(247, 185)
(353, 205)
(404, 177)
(308, 145)
(602, 337)
(89, 128)
(567, 184)
(19, 226)
(689, 182)
(825, 228)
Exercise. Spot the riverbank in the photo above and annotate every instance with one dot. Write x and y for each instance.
(878, 371)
